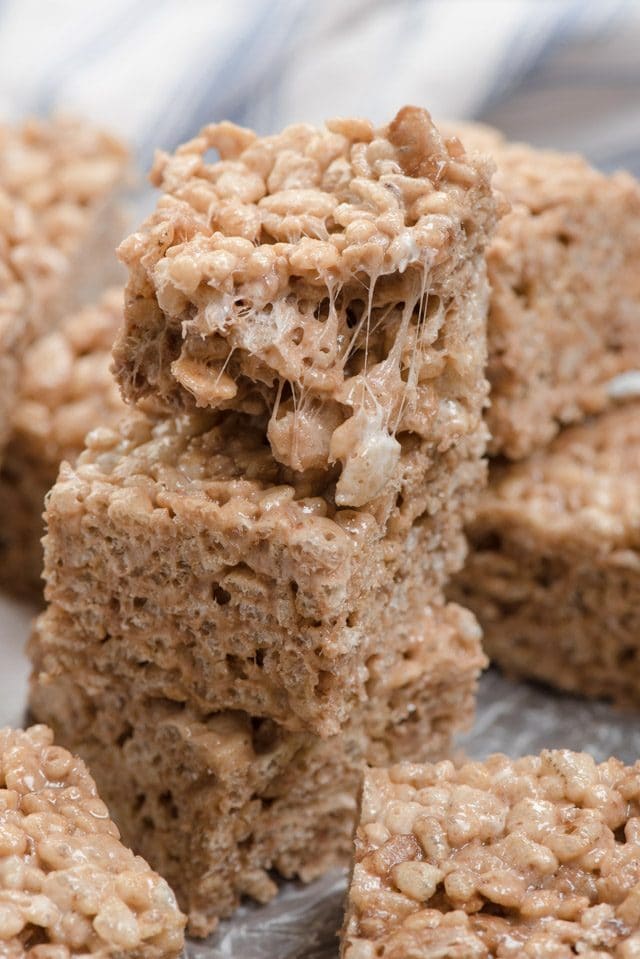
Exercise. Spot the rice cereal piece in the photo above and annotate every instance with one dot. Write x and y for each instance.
(68, 887)
(333, 279)
(60, 219)
(553, 572)
(66, 390)
(218, 800)
(564, 317)
(502, 859)
(181, 555)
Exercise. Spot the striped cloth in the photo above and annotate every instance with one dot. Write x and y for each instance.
(562, 73)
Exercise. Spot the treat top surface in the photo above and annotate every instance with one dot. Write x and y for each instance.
(66, 880)
(66, 385)
(196, 455)
(320, 205)
(584, 484)
(310, 274)
(535, 857)
(216, 472)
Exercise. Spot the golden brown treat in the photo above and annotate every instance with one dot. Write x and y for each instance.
(68, 887)
(174, 598)
(217, 800)
(554, 567)
(66, 390)
(534, 858)
(181, 554)
(59, 223)
(565, 302)
(331, 279)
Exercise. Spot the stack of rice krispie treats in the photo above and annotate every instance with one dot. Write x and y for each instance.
(554, 569)
(245, 590)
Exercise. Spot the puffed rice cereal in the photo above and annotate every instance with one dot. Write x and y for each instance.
(60, 217)
(68, 887)
(565, 290)
(66, 389)
(553, 572)
(534, 858)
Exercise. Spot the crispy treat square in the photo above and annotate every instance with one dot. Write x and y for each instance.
(331, 279)
(66, 390)
(68, 887)
(180, 554)
(12, 321)
(217, 800)
(527, 858)
(60, 219)
(565, 301)
(554, 567)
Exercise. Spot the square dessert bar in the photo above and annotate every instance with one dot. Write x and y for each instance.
(217, 800)
(12, 322)
(66, 389)
(330, 279)
(68, 887)
(565, 302)
(554, 567)
(182, 556)
(60, 218)
(526, 858)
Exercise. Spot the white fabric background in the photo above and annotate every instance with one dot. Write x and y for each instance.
(563, 73)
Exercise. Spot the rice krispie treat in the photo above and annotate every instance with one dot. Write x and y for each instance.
(565, 303)
(528, 858)
(66, 390)
(554, 567)
(181, 555)
(12, 322)
(330, 279)
(60, 219)
(217, 800)
(68, 887)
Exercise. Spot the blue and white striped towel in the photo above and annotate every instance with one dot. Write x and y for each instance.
(562, 73)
